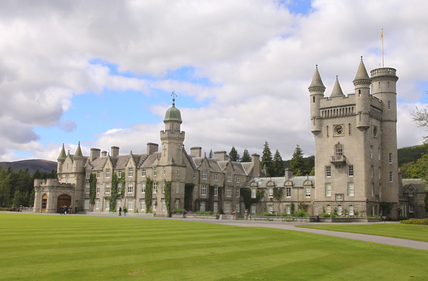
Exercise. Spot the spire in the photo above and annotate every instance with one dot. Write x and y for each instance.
(62, 154)
(337, 90)
(362, 77)
(316, 84)
(78, 152)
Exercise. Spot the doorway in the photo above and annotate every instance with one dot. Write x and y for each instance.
(63, 200)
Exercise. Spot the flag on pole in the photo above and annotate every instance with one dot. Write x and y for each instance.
(381, 35)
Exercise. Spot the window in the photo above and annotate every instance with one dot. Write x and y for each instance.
(238, 180)
(88, 175)
(107, 189)
(155, 171)
(163, 205)
(130, 204)
(143, 205)
(339, 210)
(107, 204)
(229, 177)
(380, 190)
(351, 189)
(349, 128)
(270, 192)
(372, 189)
(87, 188)
(97, 204)
(98, 188)
(238, 192)
(338, 149)
(227, 207)
(228, 192)
(202, 207)
(288, 209)
(328, 189)
(119, 188)
(67, 179)
(253, 193)
(411, 209)
(204, 174)
(375, 131)
(308, 192)
(155, 187)
(237, 208)
(164, 171)
(107, 173)
(390, 158)
(372, 171)
(98, 175)
(215, 190)
(215, 207)
(253, 209)
(154, 206)
(371, 151)
(378, 153)
(194, 174)
(143, 187)
(351, 210)
(410, 193)
(130, 187)
(328, 209)
(379, 172)
(119, 174)
(390, 176)
(216, 177)
(130, 172)
(143, 173)
(86, 204)
(178, 171)
(176, 204)
(288, 191)
(203, 190)
(389, 104)
(350, 171)
(270, 209)
(326, 131)
(177, 188)
(328, 171)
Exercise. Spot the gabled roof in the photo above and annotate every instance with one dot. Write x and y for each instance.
(418, 184)
(280, 181)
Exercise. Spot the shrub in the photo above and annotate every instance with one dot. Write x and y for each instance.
(179, 211)
(301, 213)
(402, 218)
(285, 215)
(325, 215)
(415, 221)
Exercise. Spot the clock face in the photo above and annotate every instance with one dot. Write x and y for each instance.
(338, 130)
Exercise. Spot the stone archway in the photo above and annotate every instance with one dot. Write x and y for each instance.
(44, 203)
(63, 199)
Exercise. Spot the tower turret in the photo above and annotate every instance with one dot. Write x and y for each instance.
(78, 160)
(61, 159)
(362, 83)
(316, 90)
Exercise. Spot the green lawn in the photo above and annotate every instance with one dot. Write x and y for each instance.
(397, 230)
(46, 247)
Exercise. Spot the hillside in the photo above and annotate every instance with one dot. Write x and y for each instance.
(32, 165)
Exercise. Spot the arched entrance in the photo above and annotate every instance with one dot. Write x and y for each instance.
(63, 200)
(44, 203)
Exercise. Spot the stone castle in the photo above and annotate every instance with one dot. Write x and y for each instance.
(356, 168)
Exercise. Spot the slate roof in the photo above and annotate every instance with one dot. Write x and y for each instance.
(280, 181)
(419, 184)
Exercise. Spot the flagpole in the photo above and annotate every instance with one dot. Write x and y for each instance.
(381, 38)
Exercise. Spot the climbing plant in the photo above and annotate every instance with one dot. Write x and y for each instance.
(277, 193)
(148, 194)
(92, 187)
(114, 194)
(168, 196)
(246, 195)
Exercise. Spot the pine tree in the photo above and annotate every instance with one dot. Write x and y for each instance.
(278, 165)
(246, 156)
(297, 163)
(233, 154)
(267, 162)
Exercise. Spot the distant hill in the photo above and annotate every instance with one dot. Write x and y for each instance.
(410, 154)
(32, 165)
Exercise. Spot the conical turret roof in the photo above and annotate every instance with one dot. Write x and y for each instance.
(337, 90)
(62, 154)
(317, 81)
(78, 153)
(362, 75)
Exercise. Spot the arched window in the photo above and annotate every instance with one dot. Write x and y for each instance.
(351, 210)
(328, 209)
(338, 149)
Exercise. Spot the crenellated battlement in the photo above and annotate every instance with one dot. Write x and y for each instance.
(383, 71)
(51, 183)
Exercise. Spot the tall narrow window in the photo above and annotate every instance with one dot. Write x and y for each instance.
(107, 173)
(338, 149)
(203, 190)
(339, 210)
(326, 131)
(143, 172)
(372, 171)
(253, 193)
(177, 189)
(238, 192)
(371, 151)
(349, 128)
(379, 172)
(351, 189)
(307, 192)
(215, 190)
(216, 177)
(270, 192)
(390, 158)
(229, 192)
(328, 189)
(350, 171)
(389, 104)
(351, 210)
(372, 189)
(288, 191)
(328, 171)
(204, 174)
(229, 177)
(380, 190)
(390, 176)
(143, 187)
(130, 172)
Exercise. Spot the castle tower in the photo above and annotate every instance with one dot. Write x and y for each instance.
(61, 159)
(316, 89)
(362, 83)
(78, 160)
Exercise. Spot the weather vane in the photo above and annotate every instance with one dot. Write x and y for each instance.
(173, 95)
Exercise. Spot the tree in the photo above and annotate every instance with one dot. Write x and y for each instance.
(297, 163)
(418, 169)
(426, 202)
(278, 165)
(267, 162)
(246, 156)
(420, 116)
(233, 154)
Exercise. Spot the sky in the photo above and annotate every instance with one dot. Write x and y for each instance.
(101, 72)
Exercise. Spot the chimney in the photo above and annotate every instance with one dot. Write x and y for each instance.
(114, 151)
(255, 160)
(220, 155)
(196, 151)
(152, 148)
(103, 153)
(288, 174)
(95, 153)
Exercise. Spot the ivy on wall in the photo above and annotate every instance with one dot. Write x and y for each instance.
(92, 187)
(246, 195)
(114, 194)
(148, 194)
(167, 189)
(277, 193)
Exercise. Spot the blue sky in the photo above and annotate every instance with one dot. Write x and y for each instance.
(102, 72)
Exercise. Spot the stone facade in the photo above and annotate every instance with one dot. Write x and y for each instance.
(412, 194)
